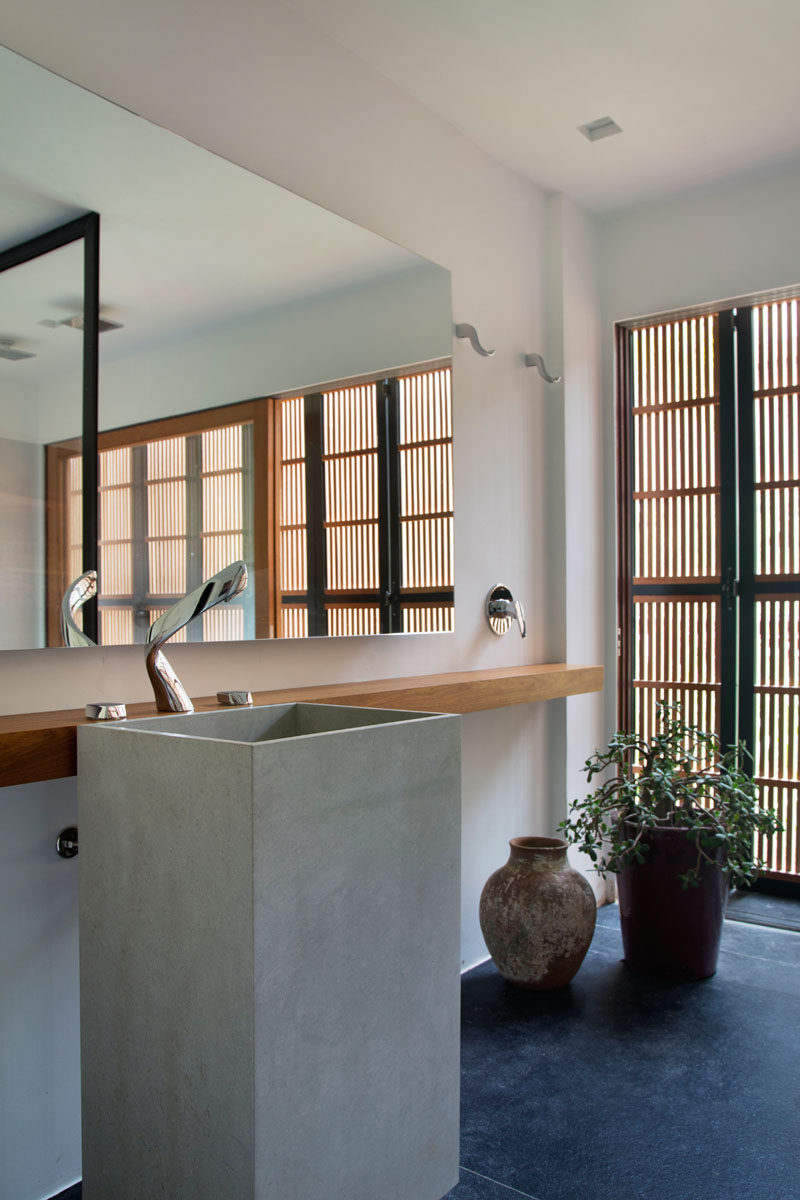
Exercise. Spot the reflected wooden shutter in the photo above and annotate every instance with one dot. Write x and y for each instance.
(350, 473)
(425, 448)
(292, 599)
(366, 508)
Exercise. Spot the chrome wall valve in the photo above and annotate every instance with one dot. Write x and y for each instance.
(502, 609)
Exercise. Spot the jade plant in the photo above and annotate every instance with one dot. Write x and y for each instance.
(681, 777)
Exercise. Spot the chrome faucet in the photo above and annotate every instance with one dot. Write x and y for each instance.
(169, 691)
(501, 609)
(76, 595)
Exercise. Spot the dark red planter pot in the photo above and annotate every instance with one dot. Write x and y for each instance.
(665, 927)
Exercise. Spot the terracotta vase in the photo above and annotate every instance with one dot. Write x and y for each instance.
(537, 915)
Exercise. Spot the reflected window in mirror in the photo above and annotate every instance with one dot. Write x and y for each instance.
(339, 500)
(175, 507)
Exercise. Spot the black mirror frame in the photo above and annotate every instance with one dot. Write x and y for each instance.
(87, 228)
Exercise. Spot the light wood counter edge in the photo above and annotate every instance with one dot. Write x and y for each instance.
(39, 746)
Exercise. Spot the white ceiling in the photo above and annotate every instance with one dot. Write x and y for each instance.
(702, 89)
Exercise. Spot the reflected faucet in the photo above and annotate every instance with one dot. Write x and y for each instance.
(79, 591)
(169, 691)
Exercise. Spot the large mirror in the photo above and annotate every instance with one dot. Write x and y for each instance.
(274, 385)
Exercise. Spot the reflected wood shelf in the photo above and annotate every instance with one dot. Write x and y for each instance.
(39, 746)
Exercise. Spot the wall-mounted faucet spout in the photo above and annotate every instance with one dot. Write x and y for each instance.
(169, 691)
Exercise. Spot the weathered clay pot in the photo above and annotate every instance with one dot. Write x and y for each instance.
(537, 914)
(666, 927)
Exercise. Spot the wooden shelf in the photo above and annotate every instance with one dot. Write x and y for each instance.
(38, 746)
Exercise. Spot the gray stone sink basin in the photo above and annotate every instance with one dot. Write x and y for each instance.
(268, 722)
(269, 940)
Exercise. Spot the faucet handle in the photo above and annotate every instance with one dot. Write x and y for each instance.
(520, 614)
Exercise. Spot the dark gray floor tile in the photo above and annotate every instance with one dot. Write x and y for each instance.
(760, 908)
(631, 1086)
(477, 1187)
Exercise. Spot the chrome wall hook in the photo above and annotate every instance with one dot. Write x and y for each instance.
(469, 331)
(536, 360)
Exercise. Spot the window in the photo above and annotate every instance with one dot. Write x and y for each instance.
(709, 520)
(340, 501)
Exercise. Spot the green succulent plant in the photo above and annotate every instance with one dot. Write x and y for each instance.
(681, 778)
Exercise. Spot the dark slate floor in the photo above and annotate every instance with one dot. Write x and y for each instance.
(759, 908)
(624, 1087)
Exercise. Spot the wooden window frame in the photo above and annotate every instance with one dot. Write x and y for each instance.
(742, 595)
(258, 413)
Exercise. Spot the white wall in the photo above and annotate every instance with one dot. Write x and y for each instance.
(39, 1047)
(18, 412)
(21, 544)
(257, 84)
(384, 324)
(575, 343)
(716, 244)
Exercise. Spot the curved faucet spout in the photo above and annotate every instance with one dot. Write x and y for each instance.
(79, 591)
(169, 691)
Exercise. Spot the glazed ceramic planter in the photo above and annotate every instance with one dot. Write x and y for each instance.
(538, 915)
(667, 928)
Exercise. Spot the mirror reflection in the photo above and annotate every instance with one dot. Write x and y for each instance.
(274, 384)
(41, 406)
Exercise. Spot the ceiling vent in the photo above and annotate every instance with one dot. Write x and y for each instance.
(602, 127)
(8, 352)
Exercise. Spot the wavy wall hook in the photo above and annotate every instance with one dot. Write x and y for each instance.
(536, 360)
(469, 331)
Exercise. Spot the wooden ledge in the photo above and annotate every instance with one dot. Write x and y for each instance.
(38, 746)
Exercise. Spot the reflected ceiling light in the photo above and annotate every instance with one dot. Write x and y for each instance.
(76, 322)
(8, 352)
(602, 127)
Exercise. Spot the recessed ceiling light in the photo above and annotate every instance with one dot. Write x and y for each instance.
(602, 127)
(8, 352)
(76, 322)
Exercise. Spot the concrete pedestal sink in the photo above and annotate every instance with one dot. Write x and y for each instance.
(269, 929)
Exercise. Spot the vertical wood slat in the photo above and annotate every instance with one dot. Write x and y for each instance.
(351, 488)
(426, 474)
(291, 620)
